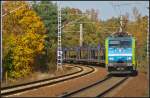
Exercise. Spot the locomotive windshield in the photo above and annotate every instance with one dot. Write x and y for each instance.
(118, 43)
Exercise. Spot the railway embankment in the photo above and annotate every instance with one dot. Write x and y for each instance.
(36, 76)
(65, 86)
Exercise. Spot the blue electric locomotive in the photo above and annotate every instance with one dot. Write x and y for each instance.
(120, 53)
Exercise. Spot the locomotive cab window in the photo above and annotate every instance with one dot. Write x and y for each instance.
(126, 43)
(115, 43)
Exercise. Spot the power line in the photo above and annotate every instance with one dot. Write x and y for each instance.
(12, 11)
(73, 22)
(128, 4)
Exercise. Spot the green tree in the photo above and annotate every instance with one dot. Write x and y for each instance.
(90, 29)
(48, 13)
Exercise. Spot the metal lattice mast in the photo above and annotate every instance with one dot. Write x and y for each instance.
(59, 47)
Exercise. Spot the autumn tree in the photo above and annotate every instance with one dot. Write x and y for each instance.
(23, 39)
(139, 29)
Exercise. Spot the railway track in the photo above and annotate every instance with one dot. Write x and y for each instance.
(5, 91)
(80, 70)
(98, 89)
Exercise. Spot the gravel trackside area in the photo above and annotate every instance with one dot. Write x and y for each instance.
(134, 87)
(39, 76)
(66, 86)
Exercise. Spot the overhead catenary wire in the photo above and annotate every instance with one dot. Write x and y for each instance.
(116, 4)
(73, 22)
(129, 4)
(12, 11)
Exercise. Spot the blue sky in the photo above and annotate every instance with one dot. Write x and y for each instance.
(105, 8)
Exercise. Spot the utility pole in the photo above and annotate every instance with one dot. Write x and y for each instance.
(148, 51)
(81, 35)
(1, 47)
(121, 24)
(59, 47)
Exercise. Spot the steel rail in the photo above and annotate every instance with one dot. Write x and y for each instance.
(17, 85)
(29, 86)
(84, 88)
(114, 86)
(94, 84)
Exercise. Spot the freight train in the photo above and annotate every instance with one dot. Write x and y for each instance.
(84, 55)
(118, 54)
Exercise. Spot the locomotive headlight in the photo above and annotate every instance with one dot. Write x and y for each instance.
(128, 58)
(111, 58)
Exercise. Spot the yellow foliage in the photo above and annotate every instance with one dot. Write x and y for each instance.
(28, 37)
